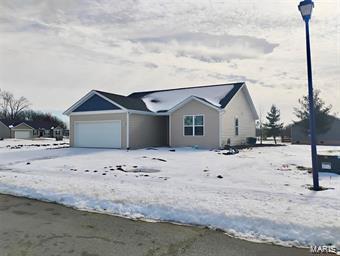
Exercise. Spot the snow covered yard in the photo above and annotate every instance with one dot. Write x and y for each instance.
(258, 194)
(38, 143)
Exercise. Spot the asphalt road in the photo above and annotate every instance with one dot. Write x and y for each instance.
(30, 227)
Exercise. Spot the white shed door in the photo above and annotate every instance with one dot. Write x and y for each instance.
(99, 134)
(22, 134)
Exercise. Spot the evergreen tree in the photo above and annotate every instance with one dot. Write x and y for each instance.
(323, 119)
(273, 126)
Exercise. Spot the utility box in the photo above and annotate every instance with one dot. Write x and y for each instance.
(329, 163)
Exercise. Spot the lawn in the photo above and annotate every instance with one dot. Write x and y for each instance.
(259, 194)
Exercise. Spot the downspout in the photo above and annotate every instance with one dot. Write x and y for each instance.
(220, 126)
(220, 129)
(169, 130)
(127, 130)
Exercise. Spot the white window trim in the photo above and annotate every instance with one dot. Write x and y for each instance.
(193, 126)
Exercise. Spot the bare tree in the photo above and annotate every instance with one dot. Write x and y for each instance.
(11, 107)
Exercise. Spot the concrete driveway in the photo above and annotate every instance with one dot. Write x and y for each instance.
(30, 227)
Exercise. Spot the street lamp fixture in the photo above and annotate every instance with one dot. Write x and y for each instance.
(306, 8)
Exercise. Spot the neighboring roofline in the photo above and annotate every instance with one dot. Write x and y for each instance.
(187, 100)
(4, 124)
(250, 101)
(58, 127)
(183, 88)
(25, 124)
(86, 97)
(335, 118)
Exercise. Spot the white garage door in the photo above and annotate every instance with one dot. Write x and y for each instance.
(22, 134)
(99, 134)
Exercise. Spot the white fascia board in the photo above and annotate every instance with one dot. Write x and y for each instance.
(140, 112)
(185, 101)
(85, 98)
(97, 112)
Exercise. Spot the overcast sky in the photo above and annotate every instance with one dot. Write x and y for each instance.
(54, 52)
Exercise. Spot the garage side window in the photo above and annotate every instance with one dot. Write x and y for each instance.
(193, 125)
(236, 126)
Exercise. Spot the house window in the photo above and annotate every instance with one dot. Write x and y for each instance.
(193, 125)
(236, 126)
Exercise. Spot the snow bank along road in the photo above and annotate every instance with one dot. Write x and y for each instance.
(259, 194)
(37, 228)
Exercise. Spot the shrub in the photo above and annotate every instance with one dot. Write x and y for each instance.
(251, 140)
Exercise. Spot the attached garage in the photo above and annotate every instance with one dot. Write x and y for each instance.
(98, 134)
(22, 134)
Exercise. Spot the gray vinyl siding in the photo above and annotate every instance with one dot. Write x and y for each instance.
(147, 131)
(100, 117)
(210, 139)
(4, 131)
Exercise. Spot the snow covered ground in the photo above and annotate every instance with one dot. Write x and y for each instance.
(258, 194)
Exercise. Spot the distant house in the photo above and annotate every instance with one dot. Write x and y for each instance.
(28, 129)
(331, 137)
(5, 131)
(203, 116)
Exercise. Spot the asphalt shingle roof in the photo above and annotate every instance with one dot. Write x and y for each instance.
(125, 101)
(34, 124)
(159, 101)
(209, 93)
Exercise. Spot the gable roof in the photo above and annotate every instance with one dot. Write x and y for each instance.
(34, 124)
(23, 124)
(40, 124)
(96, 103)
(123, 102)
(189, 99)
(160, 101)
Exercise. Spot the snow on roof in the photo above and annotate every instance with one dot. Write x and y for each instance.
(160, 101)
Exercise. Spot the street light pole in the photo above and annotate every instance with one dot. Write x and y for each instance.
(305, 8)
